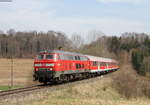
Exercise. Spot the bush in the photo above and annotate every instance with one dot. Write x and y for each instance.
(145, 67)
(137, 59)
(129, 84)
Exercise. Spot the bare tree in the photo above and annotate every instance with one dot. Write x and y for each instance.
(77, 40)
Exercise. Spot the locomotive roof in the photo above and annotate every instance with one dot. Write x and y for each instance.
(62, 52)
(92, 58)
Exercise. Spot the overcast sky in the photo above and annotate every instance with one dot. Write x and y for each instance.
(112, 17)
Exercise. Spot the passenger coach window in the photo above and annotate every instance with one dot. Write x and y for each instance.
(49, 56)
(103, 64)
(76, 58)
(95, 63)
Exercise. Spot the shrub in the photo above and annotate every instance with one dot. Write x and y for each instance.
(127, 85)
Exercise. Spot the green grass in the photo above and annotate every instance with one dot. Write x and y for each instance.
(2, 88)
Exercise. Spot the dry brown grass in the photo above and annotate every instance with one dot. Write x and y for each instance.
(98, 92)
(131, 85)
(22, 71)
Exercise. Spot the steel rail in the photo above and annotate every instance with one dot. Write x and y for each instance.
(19, 90)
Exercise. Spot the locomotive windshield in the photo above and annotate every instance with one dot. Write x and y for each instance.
(45, 56)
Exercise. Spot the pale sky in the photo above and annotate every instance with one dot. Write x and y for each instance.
(111, 17)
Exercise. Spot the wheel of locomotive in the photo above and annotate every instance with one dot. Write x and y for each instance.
(45, 83)
(71, 77)
(81, 76)
(63, 78)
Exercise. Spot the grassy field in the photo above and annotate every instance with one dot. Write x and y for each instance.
(89, 92)
(8, 87)
(22, 72)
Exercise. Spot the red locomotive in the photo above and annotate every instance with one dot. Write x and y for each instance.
(56, 65)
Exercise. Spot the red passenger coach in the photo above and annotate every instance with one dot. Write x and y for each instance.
(100, 64)
(56, 65)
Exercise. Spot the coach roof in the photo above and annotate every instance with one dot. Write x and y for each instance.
(100, 59)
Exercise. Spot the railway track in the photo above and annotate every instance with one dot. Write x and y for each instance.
(20, 90)
(32, 88)
(37, 87)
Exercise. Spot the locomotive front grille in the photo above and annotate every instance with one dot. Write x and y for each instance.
(45, 74)
(44, 69)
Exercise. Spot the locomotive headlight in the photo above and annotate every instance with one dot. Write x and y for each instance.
(38, 65)
(51, 69)
(49, 64)
(36, 69)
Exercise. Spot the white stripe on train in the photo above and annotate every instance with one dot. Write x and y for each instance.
(101, 70)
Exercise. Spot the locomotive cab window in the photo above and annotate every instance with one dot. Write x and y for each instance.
(39, 57)
(50, 56)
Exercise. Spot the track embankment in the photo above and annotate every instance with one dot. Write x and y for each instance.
(18, 95)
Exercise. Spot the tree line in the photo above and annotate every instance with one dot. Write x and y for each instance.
(138, 45)
(28, 44)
